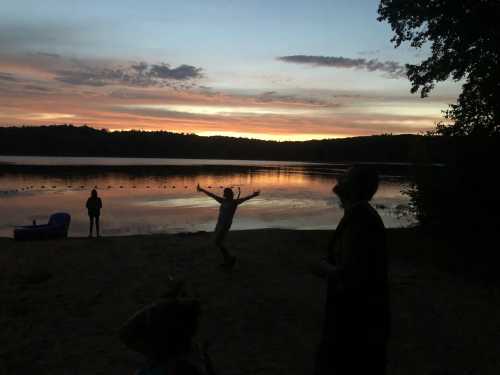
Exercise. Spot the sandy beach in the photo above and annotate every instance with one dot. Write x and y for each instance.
(63, 303)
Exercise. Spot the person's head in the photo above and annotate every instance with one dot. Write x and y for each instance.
(93, 193)
(228, 193)
(359, 183)
(164, 330)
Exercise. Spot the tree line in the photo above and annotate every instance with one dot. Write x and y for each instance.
(70, 140)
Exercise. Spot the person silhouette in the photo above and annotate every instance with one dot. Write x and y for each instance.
(165, 333)
(227, 210)
(94, 205)
(357, 315)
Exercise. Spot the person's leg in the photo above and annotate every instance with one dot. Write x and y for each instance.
(377, 357)
(364, 356)
(91, 219)
(220, 235)
(97, 225)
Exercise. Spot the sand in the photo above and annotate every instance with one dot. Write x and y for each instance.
(64, 301)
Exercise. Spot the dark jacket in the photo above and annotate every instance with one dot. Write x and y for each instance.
(94, 206)
(357, 314)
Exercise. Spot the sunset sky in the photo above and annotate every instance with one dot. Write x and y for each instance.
(291, 70)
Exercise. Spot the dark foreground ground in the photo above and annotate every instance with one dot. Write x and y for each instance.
(62, 303)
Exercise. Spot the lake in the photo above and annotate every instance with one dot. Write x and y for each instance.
(148, 196)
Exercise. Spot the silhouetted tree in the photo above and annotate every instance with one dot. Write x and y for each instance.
(69, 140)
(464, 37)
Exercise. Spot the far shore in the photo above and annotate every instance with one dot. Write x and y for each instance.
(64, 301)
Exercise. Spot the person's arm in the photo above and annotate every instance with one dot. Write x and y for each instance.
(244, 199)
(216, 197)
(324, 269)
(100, 203)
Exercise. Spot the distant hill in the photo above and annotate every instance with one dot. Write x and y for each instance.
(69, 140)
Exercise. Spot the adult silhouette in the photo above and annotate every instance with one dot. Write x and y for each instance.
(357, 319)
(94, 205)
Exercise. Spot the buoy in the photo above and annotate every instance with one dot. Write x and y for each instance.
(42, 187)
(185, 187)
(133, 187)
(209, 187)
(173, 187)
(121, 187)
(147, 187)
(82, 187)
(54, 187)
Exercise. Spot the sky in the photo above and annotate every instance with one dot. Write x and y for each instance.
(293, 70)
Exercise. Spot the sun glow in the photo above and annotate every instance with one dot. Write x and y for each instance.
(272, 137)
(217, 110)
(49, 116)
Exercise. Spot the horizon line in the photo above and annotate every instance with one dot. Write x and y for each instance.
(224, 134)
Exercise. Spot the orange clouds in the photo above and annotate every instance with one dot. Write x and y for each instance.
(118, 96)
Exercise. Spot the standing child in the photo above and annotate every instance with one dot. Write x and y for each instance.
(227, 209)
(94, 205)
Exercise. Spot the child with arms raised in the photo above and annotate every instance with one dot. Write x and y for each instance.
(227, 210)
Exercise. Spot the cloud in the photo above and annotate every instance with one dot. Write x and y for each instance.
(274, 97)
(47, 54)
(182, 72)
(392, 68)
(139, 75)
(37, 88)
(7, 77)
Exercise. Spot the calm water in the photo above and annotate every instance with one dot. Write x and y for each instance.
(143, 196)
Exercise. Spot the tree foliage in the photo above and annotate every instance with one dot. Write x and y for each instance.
(464, 43)
(68, 140)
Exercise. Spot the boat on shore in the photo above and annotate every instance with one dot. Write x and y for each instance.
(57, 227)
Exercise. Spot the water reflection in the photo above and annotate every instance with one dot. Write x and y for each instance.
(158, 199)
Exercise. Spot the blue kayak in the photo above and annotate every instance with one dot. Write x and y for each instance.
(57, 227)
